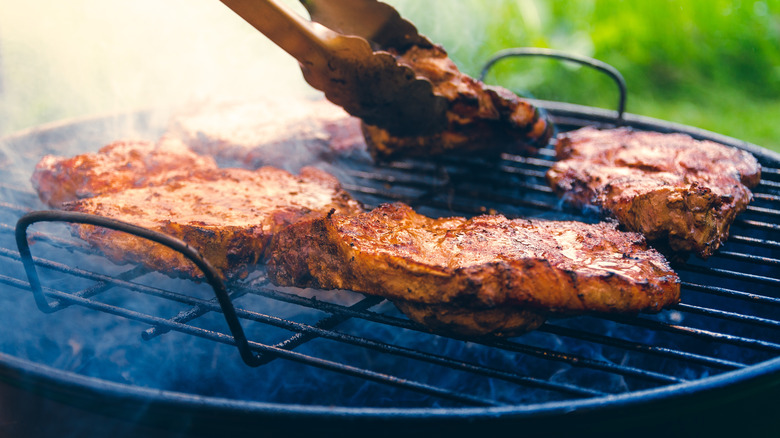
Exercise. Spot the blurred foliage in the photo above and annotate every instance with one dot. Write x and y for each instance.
(714, 64)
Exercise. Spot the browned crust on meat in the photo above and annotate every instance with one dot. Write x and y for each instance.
(229, 215)
(669, 187)
(465, 321)
(118, 166)
(482, 263)
(480, 118)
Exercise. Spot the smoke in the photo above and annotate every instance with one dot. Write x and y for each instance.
(66, 59)
(83, 57)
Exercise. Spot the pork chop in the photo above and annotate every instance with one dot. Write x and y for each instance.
(676, 190)
(481, 119)
(442, 269)
(229, 215)
(115, 167)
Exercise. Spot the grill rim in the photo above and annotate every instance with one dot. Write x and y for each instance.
(93, 392)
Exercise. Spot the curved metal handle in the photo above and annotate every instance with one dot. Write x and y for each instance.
(213, 277)
(603, 67)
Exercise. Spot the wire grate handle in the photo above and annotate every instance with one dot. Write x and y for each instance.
(213, 277)
(601, 66)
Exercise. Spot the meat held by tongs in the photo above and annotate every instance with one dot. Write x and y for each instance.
(412, 98)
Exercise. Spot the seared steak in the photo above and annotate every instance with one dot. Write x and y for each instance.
(480, 118)
(118, 166)
(229, 215)
(485, 264)
(669, 187)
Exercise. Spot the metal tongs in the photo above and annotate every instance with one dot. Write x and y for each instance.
(336, 57)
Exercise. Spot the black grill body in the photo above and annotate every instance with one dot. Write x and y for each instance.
(709, 364)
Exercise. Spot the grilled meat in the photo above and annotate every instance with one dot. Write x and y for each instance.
(115, 167)
(669, 187)
(285, 133)
(480, 119)
(486, 264)
(229, 215)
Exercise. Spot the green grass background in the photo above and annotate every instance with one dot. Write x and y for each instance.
(713, 64)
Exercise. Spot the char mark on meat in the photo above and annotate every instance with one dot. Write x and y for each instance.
(485, 275)
(115, 167)
(481, 119)
(228, 215)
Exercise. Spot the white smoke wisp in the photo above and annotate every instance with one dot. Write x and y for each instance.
(66, 59)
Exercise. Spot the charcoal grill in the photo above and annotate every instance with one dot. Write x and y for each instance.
(352, 364)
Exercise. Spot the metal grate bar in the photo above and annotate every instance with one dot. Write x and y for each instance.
(186, 316)
(549, 152)
(771, 184)
(331, 307)
(374, 192)
(573, 360)
(115, 281)
(267, 349)
(417, 355)
(766, 197)
(15, 282)
(410, 180)
(482, 176)
(748, 258)
(756, 224)
(730, 274)
(451, 204)
(763, 210)
(471, 186)
(497, 198)
(487, 173)
(497, 182)
(101, 286)
(754, 241)
(327, 323)
(579, 361)
(696, 332)
(643, 348)
(732, 316)
(168, 324)
(746, 296)
(530, 173)
(478, 171)
(308, 331)
(531, 160)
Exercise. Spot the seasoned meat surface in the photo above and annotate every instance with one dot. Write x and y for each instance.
(480, 119)
(115, 167)
(682, 192)
(487, 262)
(229, 215)
(286, 133)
